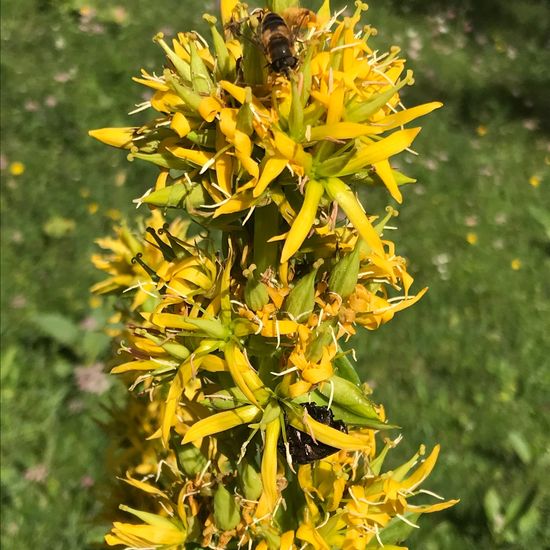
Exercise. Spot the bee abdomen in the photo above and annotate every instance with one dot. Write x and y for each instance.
(272, 21)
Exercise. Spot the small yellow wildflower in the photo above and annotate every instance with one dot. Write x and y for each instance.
(515, 264)
(481, 130)
(114, 214)
(535, 181)
(17, 168)
(472, 238)
(95, 302)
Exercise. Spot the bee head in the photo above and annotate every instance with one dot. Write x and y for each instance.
(284, 64)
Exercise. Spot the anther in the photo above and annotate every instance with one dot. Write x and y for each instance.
(175, 243)
(166, 250)
(151, 272)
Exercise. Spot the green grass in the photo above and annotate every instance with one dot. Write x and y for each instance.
(467, 366)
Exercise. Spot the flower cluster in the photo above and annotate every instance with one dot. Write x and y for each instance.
(242, 310)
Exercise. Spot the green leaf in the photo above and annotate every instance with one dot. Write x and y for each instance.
(57, 327)
(93, 345)
(396, 530)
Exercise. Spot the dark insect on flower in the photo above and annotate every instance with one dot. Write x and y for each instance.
(302, 447)
(277, 42)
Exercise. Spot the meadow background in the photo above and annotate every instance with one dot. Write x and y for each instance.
(467, 367)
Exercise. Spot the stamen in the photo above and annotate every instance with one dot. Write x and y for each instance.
(287, 371)
(344, 46)
(167, 252)
(405, 520)
(150, 271)
(432, 494)
(203, 472)
(377, 535)
(247, 217)
(140, 107)
(139, 201)
(331, 382)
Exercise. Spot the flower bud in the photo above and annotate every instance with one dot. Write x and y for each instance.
(212, 327)
(347, 395)
(251, 481)
(322, 336)
(245, 116)
(190, 459)
(254, 62)
(296, 115)
(202, 82)
(170, 196)
(225, 64)
(182, 67)
(226, 510)
(255, 294)
(116, 137)
(346, 369)
(343, 277)
(226, 399)
(299, 303)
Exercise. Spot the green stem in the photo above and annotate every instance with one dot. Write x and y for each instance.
(266, 225)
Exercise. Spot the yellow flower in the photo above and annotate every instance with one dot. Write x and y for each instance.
(535, 181)
(17, 168)
(515, 264)
(472, 238)
(156, 531)
(481, 130)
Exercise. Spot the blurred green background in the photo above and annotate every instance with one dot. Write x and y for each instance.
(467, 367)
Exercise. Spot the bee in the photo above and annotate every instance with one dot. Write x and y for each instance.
(278, 37)
(277, 42)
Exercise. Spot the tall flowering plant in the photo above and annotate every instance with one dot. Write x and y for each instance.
(257, 430)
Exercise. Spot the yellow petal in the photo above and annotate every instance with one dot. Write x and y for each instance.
(326, 434)
(336, 105)
(403, 117)
(137, 366)
(303, 222)
(239, 202)
(428, 509)
(226, 9)
(224, 164)
(116, 137)
(384, 171)
(243, 374)
(209, 107)
(237, 92)
(346, 199)
(291, 150)
(213, 363)
(272, 168)
(287, 541)
(341, 130)
(143, 486)
(169, 415)
(273, 327)
(270, 495)
(192, 155)
(180, 124)
(422, 472)
(154, 84)
(165, 320)
(380, 150)
(221, 421)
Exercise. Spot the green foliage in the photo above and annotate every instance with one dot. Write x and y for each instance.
(467, 366)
